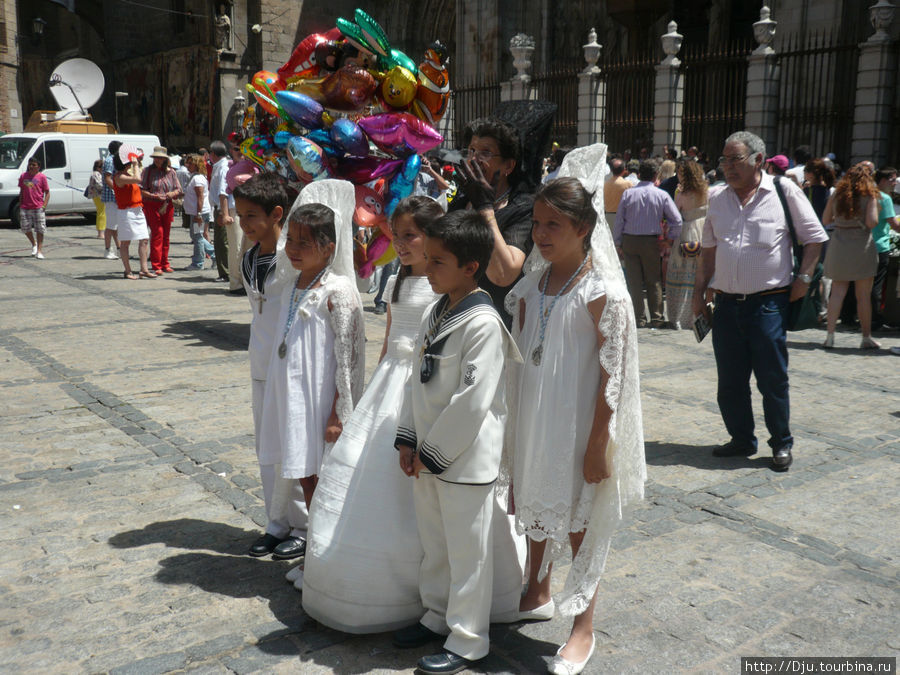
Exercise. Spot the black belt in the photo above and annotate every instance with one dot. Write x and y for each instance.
(740, 297)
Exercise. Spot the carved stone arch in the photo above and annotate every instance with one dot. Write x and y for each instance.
(428, 21)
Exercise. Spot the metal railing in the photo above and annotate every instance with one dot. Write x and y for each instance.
(715, 94)
(628, 122)
(816, 94)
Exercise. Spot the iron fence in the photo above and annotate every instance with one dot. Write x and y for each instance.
(468, 102)
(561, 87)
(816, 94)
(715, 93)
(628, 122)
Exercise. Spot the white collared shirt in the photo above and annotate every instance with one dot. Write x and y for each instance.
(753, 242)
(217, 184)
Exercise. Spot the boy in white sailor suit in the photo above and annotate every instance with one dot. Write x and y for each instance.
(450, 437)
(262, 203)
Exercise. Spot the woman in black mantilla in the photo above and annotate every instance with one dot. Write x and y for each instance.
(495, 186)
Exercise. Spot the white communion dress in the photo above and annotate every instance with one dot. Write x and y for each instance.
(323, 355)
(361, 573)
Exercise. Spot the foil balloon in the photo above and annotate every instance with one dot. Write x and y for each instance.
(399, 87)
(400, 133)
(322, 137)
(372, 33)
(348, 138)
(401, 186)
(397, 58)
(304, 59)
(433, 90)
(348, 89)
(307, 159)
(257, 148)
(301, 108)
(365, 169)
(265, 84)
(239, 173)
(369, 210)
(377, 247)
(281, 138)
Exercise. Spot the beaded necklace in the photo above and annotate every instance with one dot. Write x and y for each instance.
(292, 311)
(543, 316)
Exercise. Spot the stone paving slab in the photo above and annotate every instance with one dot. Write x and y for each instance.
(129, 492)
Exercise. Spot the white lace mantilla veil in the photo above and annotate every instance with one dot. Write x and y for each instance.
(619, 358)
(347, 318)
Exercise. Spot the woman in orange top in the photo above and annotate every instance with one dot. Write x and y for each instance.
(132, 224)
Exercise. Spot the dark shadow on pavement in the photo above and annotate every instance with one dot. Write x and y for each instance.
(189, 533)
(218, 333)
(701, 457)
(817, 346)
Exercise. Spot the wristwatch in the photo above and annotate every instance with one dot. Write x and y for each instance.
(805, 278)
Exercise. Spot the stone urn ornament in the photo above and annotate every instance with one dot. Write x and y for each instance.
(671, 44)
(592, 52)
(764, 31)
(522, 47)
(881, 15)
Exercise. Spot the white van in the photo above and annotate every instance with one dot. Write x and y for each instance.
(67, 160)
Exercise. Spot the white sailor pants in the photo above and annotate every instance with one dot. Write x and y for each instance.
(456, 576)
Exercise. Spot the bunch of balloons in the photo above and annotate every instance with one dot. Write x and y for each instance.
(348, 105)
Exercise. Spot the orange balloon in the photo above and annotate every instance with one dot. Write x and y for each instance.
(266, 83)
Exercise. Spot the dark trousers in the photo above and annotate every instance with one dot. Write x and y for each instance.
(643, 270)
(749, 337)
(878, 289)
(220, 243)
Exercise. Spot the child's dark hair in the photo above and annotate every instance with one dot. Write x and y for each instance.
(466, 236)
(118, 164)
(265, 190)
(568, 197)
(423, 210)
(320, 221)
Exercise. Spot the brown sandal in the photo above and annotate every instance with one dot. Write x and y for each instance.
(129, 275)
(148, 275)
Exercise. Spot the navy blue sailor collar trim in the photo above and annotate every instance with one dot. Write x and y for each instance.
(470, 306)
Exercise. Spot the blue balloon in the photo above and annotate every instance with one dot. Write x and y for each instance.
(401, 186)
(303, 110)
(282, 138)
(349, 138)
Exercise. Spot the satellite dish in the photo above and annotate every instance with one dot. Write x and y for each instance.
(76, 84)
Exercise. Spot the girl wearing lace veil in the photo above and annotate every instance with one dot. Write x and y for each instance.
(316, 370)
(575, 430)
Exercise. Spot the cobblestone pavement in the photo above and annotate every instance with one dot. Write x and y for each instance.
(130, 493)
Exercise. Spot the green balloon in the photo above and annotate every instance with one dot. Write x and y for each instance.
(374, 34)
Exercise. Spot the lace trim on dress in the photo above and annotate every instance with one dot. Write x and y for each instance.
(349, 343)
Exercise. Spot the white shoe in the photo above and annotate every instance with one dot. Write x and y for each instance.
(39, 256)
(109, 254)
(559, 666)
(294, 573)
(34, 249)
(543, 613)
(298, 582)
(829, 341)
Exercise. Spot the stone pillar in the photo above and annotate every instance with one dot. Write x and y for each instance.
(668, 101)
(875, 83)
(519, 87)
(591, 95)
(763, 78)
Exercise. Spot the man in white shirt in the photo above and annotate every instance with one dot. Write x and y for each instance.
(747, 261)
(802, 155)
(227, 242)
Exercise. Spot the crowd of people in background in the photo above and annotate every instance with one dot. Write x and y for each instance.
(857, 205)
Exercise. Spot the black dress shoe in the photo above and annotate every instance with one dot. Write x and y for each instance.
(445, 662)
(732, 449)
(238, 291)
(414, 636)
(782, 459)
(292, 547)
(264, 545)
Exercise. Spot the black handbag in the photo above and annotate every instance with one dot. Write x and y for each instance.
(804, 312)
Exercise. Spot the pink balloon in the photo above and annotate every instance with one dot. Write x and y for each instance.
(364, 169)
(239, 173)
(400, 133)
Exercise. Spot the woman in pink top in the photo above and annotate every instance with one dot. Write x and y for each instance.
(34, 193)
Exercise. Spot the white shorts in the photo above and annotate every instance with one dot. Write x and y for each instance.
(112, 216)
